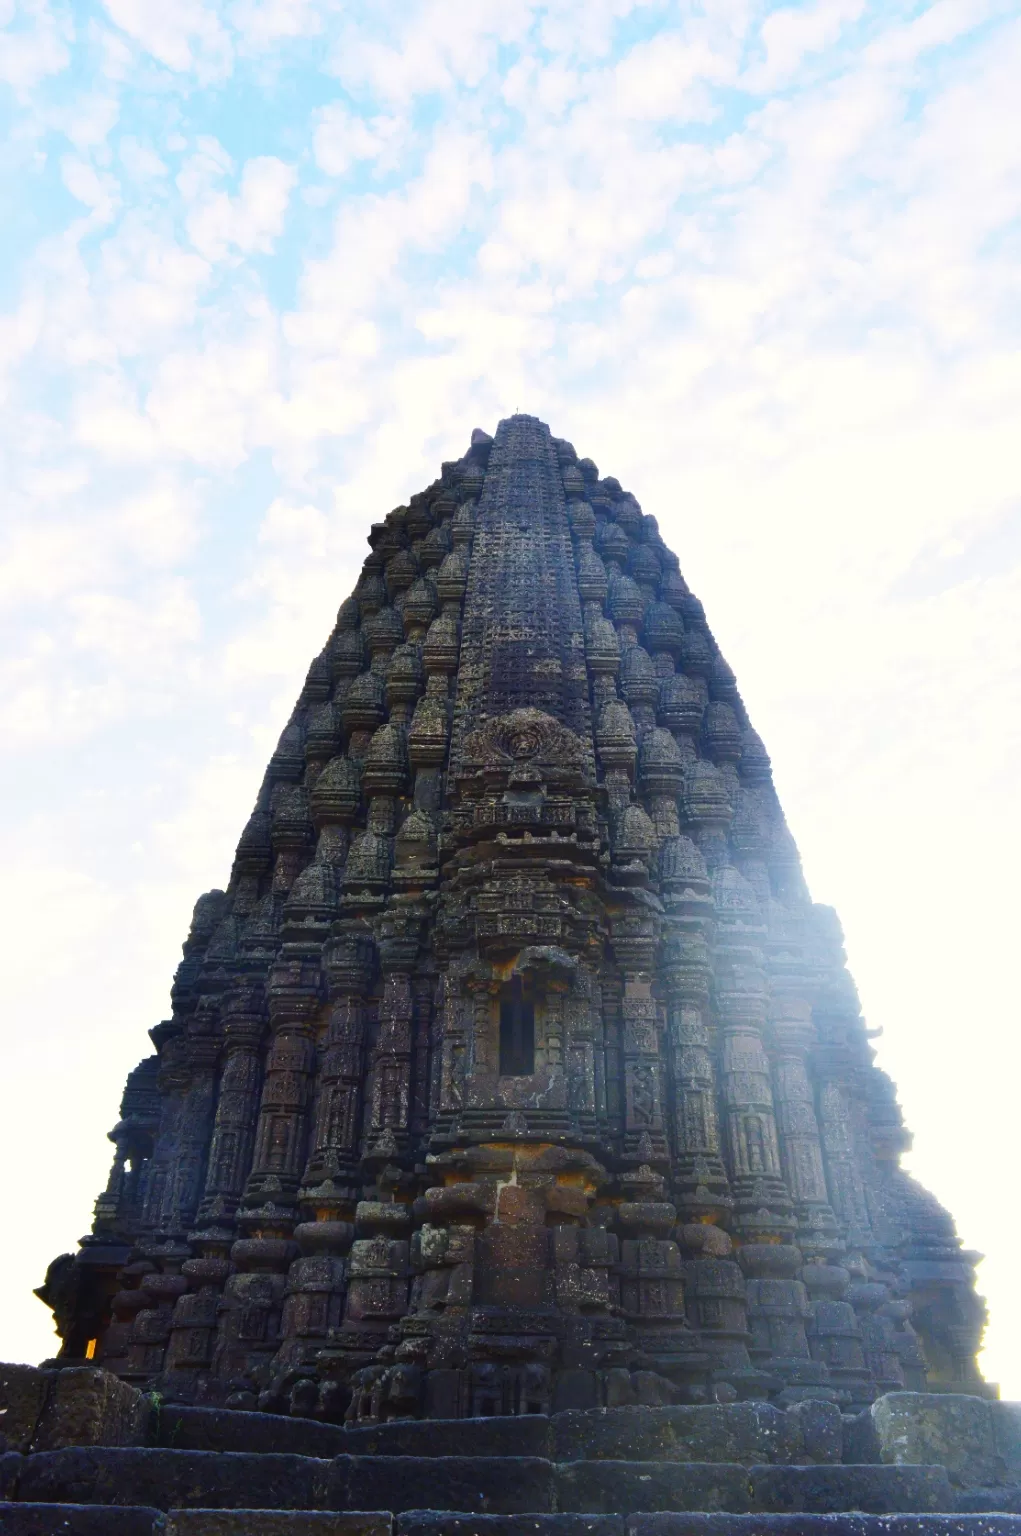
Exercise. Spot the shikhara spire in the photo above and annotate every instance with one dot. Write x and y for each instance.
(515, 1068)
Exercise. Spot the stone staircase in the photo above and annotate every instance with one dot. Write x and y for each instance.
(88, 1456)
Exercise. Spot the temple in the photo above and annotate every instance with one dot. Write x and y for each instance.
(515, 1071)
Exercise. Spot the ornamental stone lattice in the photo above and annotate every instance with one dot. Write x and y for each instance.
(515, 1070)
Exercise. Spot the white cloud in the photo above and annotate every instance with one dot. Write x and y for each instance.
(85, 118)
(292, 589)
(791, 35)
(147, 286)
(250, 221)
(97, 191)
(41, 561)
(139, 160)
(184, 36)
(142, 630)
(263, 24)
(660, 79)
(108, 421)
(372, 234)
(934, 27)
(207, 165)
(157, 524)
(342, 139)
(432, 47)
(34, 42)
(81, 903)
(205, 405)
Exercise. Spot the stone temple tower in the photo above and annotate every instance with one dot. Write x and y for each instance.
(515, 1069)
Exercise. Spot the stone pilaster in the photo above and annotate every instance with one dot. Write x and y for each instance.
(634, 937)
(762, 1202)
(700, 1183)
(233, 1139)
(295, 1000)
(792, 1037)
(334, 1150)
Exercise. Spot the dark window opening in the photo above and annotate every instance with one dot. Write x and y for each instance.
(517, 1031)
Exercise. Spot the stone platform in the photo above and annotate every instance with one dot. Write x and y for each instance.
(88, 1454)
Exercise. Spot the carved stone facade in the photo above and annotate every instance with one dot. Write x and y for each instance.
(515, 1070)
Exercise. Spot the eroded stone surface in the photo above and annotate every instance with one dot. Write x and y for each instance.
(951, 1430)
(486, 1484)
(741, 1432)
(210, 1429)
(23, 1394)
(1006, 1419)
(169, 1479)
(11, 1464)
(78, 1520)
(91, 1407)
(618, 1487)
(276, 1522)
(529, 1435)
(828, 1490)
(821, 1525)
(429, 1522)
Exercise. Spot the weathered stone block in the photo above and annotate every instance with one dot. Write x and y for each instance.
(11, 1463)
(520, 1435)
(1006, 1418)
(224, 1429)
(175, 1479)
(693, 1523)
(23, 1393)
(942, 1429)
(91, 1407)
(576, 1390)
(873, 1490)
(818, 1525)
(750, 1433)
(820, 1428)
(618, 1487)
(861, 1442)
(499, 1485)
(428, 1522)
(276, 1522)
(78, 1520)
(1000, 1500)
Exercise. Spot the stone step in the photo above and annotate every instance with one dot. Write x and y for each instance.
(433, 1523)
(225, 1429)
(25, 1519)
(752, 1433)
(615, 1487)
(522, 1435)
(505, 1485)
(167, 1478)
(78, 1520)
(873, 1490)
(275, 1522)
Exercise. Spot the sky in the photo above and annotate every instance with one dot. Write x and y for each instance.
(267, 263)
